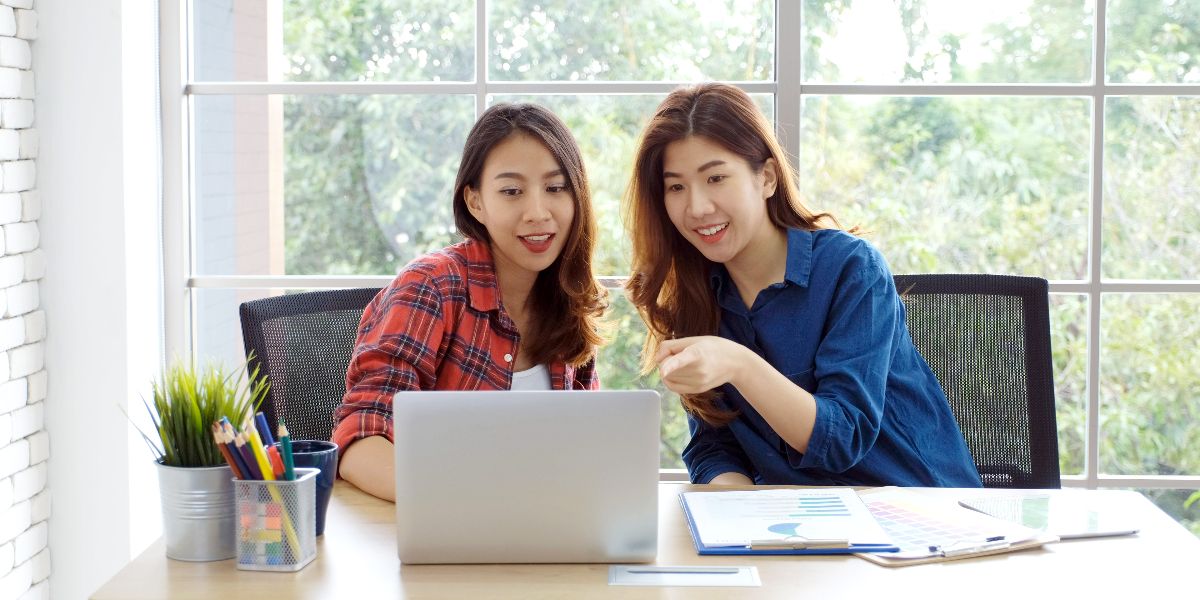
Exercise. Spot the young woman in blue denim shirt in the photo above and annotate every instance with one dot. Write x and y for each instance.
(783, 334)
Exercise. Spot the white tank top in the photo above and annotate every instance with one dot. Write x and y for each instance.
(536, 378)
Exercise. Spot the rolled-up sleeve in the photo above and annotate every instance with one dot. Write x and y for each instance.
(852, 364)
(713, 450)
(399, 345)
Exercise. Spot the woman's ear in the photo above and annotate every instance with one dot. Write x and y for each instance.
(474, 202)
(770, 174)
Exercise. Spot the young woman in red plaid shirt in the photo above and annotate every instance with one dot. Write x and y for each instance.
(515, 305)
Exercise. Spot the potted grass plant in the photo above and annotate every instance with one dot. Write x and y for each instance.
(195, 483)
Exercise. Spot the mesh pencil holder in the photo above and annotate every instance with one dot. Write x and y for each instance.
(276, 522)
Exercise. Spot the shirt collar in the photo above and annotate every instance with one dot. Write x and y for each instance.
(798, 269)
(483, 291)
(799, 257)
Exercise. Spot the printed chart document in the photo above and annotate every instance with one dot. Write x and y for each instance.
(934, 530)
(783, 521)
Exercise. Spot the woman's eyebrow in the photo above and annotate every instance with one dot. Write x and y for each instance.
(514, 175)
(704, 167)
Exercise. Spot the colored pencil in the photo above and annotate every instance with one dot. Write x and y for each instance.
(226, 438)
(260, 456)
(276, 461)
(217, 435)
(289, 461)
(264, 432)
(247, 457)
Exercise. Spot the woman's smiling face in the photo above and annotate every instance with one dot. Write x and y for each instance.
(715, 199)
(526, 203)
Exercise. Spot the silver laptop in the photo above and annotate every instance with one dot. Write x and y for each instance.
(526, 477)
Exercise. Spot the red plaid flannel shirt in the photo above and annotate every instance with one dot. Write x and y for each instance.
(438, 326)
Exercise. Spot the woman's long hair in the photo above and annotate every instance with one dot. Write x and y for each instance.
(566, 300)
(669, 283)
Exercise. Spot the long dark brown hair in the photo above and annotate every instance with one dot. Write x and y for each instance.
(669, 283)
(566, 300)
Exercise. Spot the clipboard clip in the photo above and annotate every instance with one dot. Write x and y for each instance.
(964, 547)
(798, 542)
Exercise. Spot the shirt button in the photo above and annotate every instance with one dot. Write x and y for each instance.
(508, 358)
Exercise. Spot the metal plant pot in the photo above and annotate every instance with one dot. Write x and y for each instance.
(198, 512)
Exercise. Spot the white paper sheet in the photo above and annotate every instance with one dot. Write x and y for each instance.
(735, 518)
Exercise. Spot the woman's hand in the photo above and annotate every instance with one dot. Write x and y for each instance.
(697, 364)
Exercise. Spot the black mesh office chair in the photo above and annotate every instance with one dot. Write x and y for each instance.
(303, 344)
(987, 338)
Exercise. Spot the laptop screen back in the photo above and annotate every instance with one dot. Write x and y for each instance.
(526, 477)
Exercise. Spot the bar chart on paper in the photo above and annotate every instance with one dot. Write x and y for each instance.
(735, 518)
(804, 509)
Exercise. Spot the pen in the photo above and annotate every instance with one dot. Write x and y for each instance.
(964, 548)
(684, 570)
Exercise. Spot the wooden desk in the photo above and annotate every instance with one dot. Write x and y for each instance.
(357, 556)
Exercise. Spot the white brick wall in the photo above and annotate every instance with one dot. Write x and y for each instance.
(24, 443)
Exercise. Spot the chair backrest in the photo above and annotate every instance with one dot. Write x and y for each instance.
(302, 343)
(987, 339)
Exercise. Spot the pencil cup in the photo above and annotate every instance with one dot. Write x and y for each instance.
(323, 455)
(276, 529)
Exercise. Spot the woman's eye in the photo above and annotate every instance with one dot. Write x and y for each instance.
(674, 187)
(556, 188)
(510, 191)
(717, 178)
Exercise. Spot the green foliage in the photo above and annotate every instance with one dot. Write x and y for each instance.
(186, 402)
(950, 184)
(1153, 41)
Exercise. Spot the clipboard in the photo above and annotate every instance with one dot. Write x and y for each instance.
(1069, 514)
(782, 522)
(929, 530)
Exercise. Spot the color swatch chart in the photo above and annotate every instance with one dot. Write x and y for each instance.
(915, 524)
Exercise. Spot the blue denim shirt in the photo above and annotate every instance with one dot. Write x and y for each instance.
(835, 327)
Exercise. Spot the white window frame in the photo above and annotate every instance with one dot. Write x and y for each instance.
(177, 92)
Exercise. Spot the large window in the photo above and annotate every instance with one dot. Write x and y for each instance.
(1057, 138)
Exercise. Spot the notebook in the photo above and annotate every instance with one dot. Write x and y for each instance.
(526, 476)
(1069, 514)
